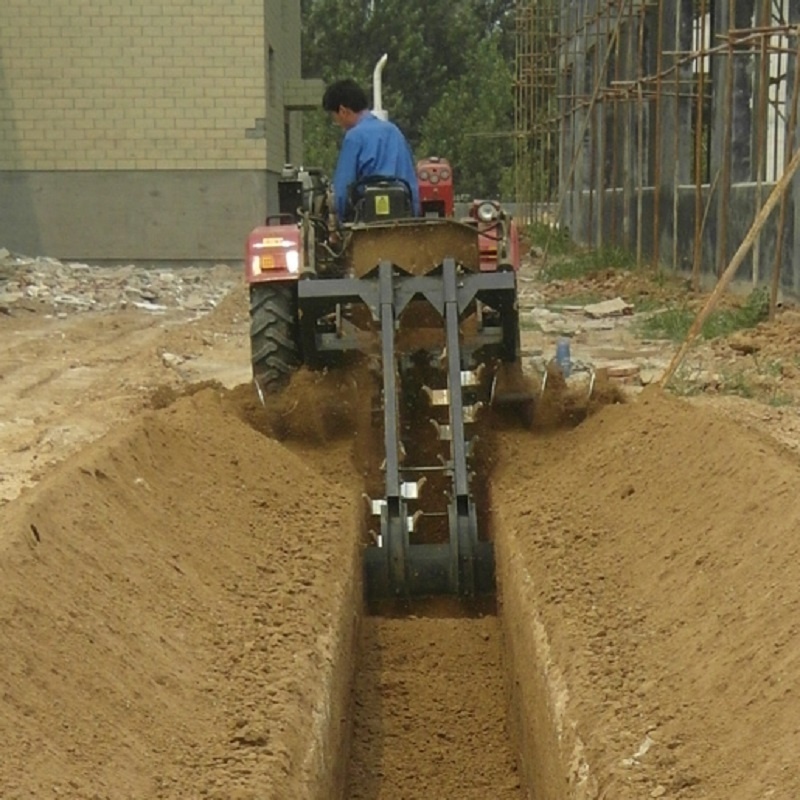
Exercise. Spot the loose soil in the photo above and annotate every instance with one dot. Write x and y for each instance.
(172, 557)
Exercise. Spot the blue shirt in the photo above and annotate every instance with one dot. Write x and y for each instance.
(373, 147)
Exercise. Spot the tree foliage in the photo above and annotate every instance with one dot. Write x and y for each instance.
(471, 126)
(447, 82)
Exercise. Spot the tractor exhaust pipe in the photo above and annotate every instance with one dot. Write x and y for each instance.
(378, 109)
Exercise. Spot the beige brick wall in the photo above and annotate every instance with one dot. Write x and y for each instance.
(137, 84)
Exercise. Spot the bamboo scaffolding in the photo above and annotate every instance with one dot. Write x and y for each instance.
(577, 153)
(644, 79)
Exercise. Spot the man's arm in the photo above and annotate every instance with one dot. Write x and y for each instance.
(345, 173)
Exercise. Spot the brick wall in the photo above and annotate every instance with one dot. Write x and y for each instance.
(137, 84)
(135, 130)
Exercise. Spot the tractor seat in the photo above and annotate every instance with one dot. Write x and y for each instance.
(379, 198)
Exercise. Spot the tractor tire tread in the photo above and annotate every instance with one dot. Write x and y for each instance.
(274, 351)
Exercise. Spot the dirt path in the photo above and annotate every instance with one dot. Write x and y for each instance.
(66, 381)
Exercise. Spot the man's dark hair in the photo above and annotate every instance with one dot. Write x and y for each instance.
(345, 93)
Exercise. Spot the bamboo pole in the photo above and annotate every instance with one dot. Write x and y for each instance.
(640, 163)
(615, 146)
(761, 108)
(775, 279)
(655, 256)
(676, 150)
(727, 144)
(592, 129)
(698, 156)
(758, 223)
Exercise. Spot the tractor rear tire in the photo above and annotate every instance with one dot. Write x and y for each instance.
(274, 349)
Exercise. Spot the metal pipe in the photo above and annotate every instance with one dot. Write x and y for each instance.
(377, 88)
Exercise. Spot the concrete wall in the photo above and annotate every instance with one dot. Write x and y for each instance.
(146, 130)
(676, 232)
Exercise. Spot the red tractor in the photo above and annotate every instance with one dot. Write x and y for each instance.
(304, 241)
(323, 291)
(435, 176)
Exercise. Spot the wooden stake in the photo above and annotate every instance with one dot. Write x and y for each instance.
(758, 223)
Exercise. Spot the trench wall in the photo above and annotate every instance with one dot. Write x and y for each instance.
(552, 761)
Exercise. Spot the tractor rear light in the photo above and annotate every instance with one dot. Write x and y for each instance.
(293, 261)
(265, 262)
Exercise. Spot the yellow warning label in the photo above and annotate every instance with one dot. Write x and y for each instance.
(267, 262)
(271, 242)
(382, 204)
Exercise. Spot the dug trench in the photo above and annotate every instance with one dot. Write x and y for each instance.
(181, 613)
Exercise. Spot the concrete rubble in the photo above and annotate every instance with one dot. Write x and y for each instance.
(71, 287)
(64, 288)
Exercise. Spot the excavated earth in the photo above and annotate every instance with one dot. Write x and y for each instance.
(181, 608)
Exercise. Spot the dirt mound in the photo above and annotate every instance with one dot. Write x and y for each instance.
(316, 407)
(561, 404)
(230, 314)
(773, 339)
(165, 603)
(662, 542)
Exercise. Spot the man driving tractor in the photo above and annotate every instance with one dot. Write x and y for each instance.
(372, 148)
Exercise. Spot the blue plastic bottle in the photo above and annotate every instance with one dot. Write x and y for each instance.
(563, 358)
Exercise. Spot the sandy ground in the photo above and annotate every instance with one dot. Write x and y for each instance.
(170, 559)
(429, 712)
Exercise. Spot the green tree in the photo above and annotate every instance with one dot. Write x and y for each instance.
(428, 45)
(472, 125)
(436, 48)
(498, 18)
